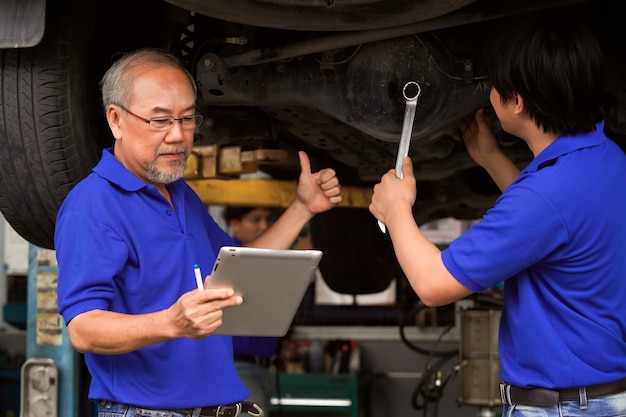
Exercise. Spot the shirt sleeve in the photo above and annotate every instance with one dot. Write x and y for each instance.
(521, 230)
(85, 275)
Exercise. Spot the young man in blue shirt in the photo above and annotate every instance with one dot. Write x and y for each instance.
(127, 239)
(556, 236)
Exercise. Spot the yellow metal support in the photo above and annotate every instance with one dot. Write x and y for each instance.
(270, 193)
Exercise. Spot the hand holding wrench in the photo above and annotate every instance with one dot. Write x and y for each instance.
(407, 129)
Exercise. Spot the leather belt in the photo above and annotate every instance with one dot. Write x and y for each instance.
(230, 410)
(543, 397)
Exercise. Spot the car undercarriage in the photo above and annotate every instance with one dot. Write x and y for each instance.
(321, 76)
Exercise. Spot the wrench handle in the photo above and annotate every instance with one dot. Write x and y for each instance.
(407, 129)
(405, 139)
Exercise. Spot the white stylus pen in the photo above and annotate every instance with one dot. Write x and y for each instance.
(198, 274)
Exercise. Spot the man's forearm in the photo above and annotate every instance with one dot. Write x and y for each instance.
(502, 170)
(421, 262)
(284, 232)
(111, 333)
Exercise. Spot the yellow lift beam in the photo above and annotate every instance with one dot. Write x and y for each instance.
(270, 193)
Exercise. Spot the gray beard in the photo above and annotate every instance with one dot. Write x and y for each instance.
(157, 177)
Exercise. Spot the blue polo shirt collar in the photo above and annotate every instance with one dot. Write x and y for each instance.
(564, 145)
(113, 171)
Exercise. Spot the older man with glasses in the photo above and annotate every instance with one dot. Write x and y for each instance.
(127, 239)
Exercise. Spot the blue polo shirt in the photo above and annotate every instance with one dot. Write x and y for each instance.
(122, 247)
(557, 237)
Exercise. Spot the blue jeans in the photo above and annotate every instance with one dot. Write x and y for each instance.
(609, 406)
(124, 410)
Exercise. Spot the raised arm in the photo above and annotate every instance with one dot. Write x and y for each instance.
(420, 259)
(484, 149)
(317, 192)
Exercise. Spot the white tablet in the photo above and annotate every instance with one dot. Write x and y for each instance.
(272, 283)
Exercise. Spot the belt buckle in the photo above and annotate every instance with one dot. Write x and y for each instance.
(230, 410)
(505, 393)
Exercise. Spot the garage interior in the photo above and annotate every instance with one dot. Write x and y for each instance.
(282, 77)
(384, 353)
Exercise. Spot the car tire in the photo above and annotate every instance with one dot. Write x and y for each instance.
(47, 143)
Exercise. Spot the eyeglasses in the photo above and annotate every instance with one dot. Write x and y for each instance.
(166, 122)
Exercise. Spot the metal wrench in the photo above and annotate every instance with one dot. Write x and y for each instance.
(407, 129)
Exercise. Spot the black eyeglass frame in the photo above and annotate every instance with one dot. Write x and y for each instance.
(170, 120)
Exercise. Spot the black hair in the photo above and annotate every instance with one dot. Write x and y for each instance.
(239, 212)
(236, 212)
(557, 67)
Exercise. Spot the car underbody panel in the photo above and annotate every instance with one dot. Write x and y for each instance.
(321, 76)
